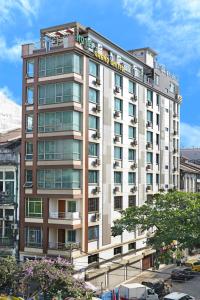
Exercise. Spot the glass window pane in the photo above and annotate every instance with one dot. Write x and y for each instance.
(93, 69)
(93, 95)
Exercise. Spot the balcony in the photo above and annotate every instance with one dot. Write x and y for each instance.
(6, 242)
(68, 218)
(68, 249)
(7, 199)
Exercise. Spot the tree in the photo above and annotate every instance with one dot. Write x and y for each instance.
(52, 276)
(169, 216)
(8, 272)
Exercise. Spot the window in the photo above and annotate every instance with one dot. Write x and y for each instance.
(172, 87)
(93, 258)
(131, 132)
(118, 80)
(117, 177)
(59, 121)
(58, 179)
(157, 79)
(29, 123)
(59, 93)
(157, 100)
(131, 178)
(166, 148)
(59, 150)
(93, 177)
(131, 155)
(29, 176)
(60, 64)
(157, 179)
(149, 96)
(30, 95)
(30, 68)
(157, 139)
(132, 110)
(118, 128)
(149, 137)
(149, 157)
(93, 149)
(34, 207)
(166, 167)
(149, 179)
(131, 201)
(93, 122)
(149, 116)
(72, 206)
(157, 158)
(93, 69)
(118, 250)
(71, 236)
(29, 150)
(157, 120)
(118, 105)
(93, 233)
(93, 205)
(118, 153)
(131, 246)
(34, 237)
(9, 175)
(93, 95)
(167, 110)
(131, 87)
(7, 182)
(118, 203)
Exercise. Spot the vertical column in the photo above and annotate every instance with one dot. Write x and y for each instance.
(45, 224)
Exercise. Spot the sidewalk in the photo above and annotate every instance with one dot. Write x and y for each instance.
(164, 273)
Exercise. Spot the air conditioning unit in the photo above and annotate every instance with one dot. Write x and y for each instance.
(134, 97)
(116, 164)
(116, 114)
(149, 145)
(149, 167)
(116, 139)
(134, 143)
(133, 189)
(117, 89)
(96, 135)
(94, 217)
(134, 120)
(96, 190)
(149, 103)
(116, 189)
(96, 162)
(96, 108)
(134, 165)
(10, 218)
(14, 226)
(149, 124)
(97, 81)
(149, 188)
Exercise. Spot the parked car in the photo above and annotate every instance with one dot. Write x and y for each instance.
(155, 284)
(178, 296)
(182, 274)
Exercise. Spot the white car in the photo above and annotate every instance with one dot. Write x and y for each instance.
(178, 296)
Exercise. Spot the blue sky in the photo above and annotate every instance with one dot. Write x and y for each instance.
(171, 27)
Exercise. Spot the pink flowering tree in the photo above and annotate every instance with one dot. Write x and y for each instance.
(52, 276)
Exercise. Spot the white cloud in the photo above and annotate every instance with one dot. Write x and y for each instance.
(11, 53)
(190, 135)
(10, 8)
(10, 112)
(173, 26)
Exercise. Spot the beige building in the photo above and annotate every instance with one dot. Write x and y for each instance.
(100, 133)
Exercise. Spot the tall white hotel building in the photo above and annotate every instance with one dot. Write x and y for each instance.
(100, 133)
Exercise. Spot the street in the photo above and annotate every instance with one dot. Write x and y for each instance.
(191, 287)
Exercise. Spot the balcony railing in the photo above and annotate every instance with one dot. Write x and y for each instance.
(68, 246)
(6, 242)
(7, 199)
(65, 215)
(33, 244)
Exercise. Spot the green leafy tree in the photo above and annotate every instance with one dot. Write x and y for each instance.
(8, 272)
(168, 216)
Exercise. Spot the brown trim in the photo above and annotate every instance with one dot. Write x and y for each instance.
(22, 168)
(45, 224)
(86, 111)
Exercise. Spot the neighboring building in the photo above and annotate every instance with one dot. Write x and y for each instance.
(9, 191)
(10, 115)
(192, 155)
(100, 133)
(189, 176)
